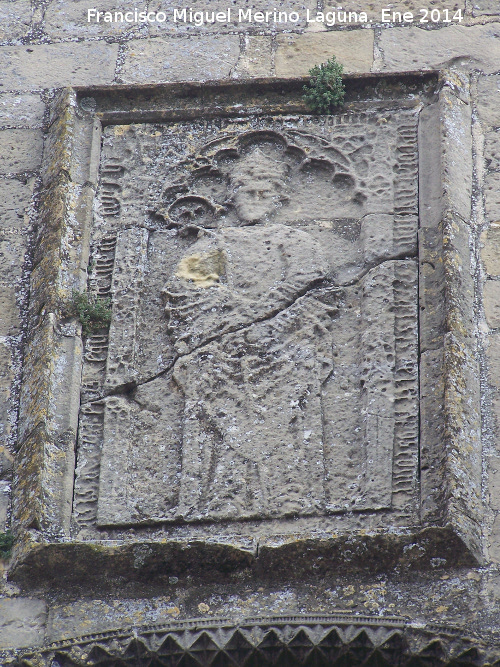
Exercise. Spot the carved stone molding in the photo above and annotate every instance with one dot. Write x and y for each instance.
(331, 640)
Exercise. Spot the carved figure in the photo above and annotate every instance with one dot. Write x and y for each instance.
(250, 312)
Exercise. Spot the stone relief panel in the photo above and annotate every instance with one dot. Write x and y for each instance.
(262, 359)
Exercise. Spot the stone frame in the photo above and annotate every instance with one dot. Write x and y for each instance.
(450, 445)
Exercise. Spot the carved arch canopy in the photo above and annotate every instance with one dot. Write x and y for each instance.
(242, 177)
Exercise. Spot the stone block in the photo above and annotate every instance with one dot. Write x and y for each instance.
(21, 110)
(238, 18)
(485, 7)
(490, 250)
(488, 100)
(373, 8)
(493, 359)
(87, 616)
(14, 198)
(171, 59)
(9, 311)
(296, 54)
(492, 303)
(492, 196)
(492, 150)
(414, 48)
(256, 59)
(15, 20)
(69, 19)
(22, 622)
(20, 150)
(67, 64)
(12, 251)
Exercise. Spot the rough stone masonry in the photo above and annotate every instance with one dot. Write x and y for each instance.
(284, 449)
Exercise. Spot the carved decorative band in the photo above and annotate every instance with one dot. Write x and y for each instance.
(335, 639)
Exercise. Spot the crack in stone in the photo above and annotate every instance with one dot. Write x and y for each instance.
(317, 284)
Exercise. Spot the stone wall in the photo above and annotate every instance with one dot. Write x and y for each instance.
(48, 45)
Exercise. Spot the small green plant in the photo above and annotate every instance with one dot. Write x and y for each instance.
(6, 544)
(93, 313)
(325, 90)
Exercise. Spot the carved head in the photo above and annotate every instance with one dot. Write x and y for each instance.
(257, 184)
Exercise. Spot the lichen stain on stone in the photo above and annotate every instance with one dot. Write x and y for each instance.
(120, 130)
(203, 269)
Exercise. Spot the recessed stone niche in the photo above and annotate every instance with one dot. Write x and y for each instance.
(289, 372)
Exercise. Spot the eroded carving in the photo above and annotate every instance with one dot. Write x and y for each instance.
(335, 639)
(263, 349)
(243, 179)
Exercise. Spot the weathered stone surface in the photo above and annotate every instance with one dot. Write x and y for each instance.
(47, 428)
(493, 357)
(494, 540)
(492, 196)
(21, 110)
(457, 154)
(414, 48)
(171, 59)
(488, 89)
(493, 462)
(492, 150)
(63, 19)
(490, 250)
(373, 9)
(7, 408)
(22, 622)
(492, 303)
(238, 16)
(256, 57)
(5, 490)
(9, 311)
(13, 246)
(296, 54)
(495, 412)
(15, 20)
(55, 65)
(488, 7)
(88, 616)
(14, 198)
(20, 150)
(292, 628)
